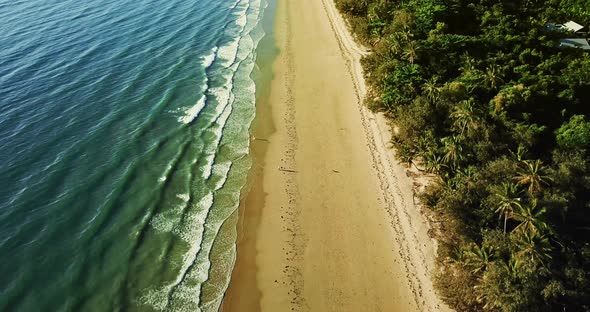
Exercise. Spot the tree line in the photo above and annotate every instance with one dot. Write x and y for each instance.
(485, 99)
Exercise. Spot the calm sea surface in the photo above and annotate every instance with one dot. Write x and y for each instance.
(124, 130)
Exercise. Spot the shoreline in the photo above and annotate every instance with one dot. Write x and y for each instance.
(238, 297)
(312, 180)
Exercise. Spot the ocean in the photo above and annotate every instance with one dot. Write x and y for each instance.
(124, 140)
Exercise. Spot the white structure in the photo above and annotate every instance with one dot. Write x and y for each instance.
(574, 43)
(569, 26)
(572, 26)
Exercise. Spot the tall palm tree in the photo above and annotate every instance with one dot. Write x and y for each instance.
(468, 63)
(411, 51)
(520, 153)
(492, 294)
(425, 142)
(431, 89)
(467, 175)
(452, 151)
(533, 247)
(532, 173)
(458, 255)
(478, 258)
(393, 44)
(432, 161)
(512, 266)
(531, 218)
(465, 116)
(508, 201)
(403, 19)
(404, 35)
(493, 77)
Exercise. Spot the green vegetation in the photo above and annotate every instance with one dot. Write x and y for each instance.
(484, 99)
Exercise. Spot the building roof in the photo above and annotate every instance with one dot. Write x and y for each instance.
(573, 26)
(574, 43)
(569, 26)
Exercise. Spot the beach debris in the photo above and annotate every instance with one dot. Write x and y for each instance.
(286, 169)
(335, 171)
(254, 138)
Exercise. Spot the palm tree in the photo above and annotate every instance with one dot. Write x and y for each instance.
(393, 44)
(508, 201)
(467, 175)
(512, 266)
(431, 89)
(491, 289)
(425, 142)
(375, 22)
(493, 77)
(533, 247)
(468, 63)
(531, 218)
(520, 153)
(532, 173)
(458, 255)
(452, 150)
(478, 258)
(432, 161)
(410, 51)
(465, 116)
(403, 19)
(404, 36)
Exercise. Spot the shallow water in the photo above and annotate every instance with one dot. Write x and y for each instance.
(123, 150)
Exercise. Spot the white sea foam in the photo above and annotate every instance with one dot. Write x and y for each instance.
(183, 197)
(235, 137)
(231, 63)
(221, 170)
(242, 20)
(164, 175)
(156, 298)
(227, 53)
(210, 58)
(190, 231)
(222, 96)
(217, 130)
(191, 113)
(165, 221)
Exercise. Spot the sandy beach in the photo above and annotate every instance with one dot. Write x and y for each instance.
(329, 223)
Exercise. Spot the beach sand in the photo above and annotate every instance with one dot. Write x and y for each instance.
(329, 222)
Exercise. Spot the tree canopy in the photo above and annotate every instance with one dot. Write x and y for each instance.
(483, 97)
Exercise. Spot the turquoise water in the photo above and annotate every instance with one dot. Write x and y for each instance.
(124, 132)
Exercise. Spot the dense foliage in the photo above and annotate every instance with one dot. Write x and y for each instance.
(483, 97)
